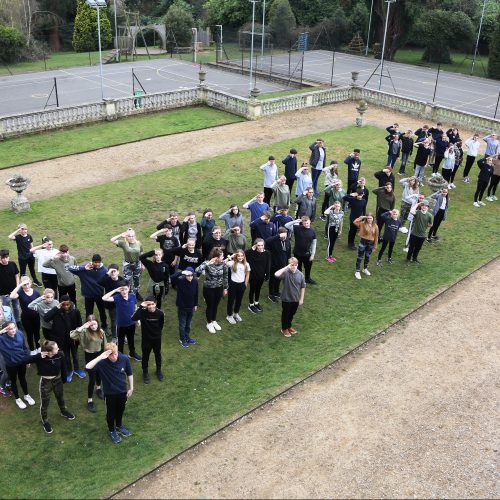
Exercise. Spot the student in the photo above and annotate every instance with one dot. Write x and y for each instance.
(14, 350)
(173, 222)
(262, 227)
(188, 256)
(358, 205)
(495, 179)
(384, 176)
(304, 179)
(472, 146)
(115, 371)
(331, 177)
(424, 152)
(51, 368)
(270, 170)
(24, 243)
(159, 275)
(30, 319)
(168, 243)
(392, 225)
(235, 241)
(368, 240)
(280, 250)
(439, 212)
(65, 279)
(152, 321)
(294, 286)
(393, 149)
(335, 193)
(214, 240)
(281, 193)
(280, 218)
(334, 221)
(43, 305)
(90, 274)
(125, 302)
(453, 135)
(449, 164)
(353, 163)
(232, 217)
(306, 204)
(92, 339)
(491, 145)
(187, 303)
(441, 144)
(406, 150)
(110, 281)
(385, 202)
(239, 276)
(485, 173)
(259, 260)
(65, 317)
(410, 194)
(290, 162)
(190, 229)
(459, 156)
(43, 253)
(257, 207)
(132, 248)
(207, 222)
(317, 162)
(215, 285)
(422, 222)
(304, 249)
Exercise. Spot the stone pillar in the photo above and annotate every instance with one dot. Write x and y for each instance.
(254, 108)
(110, 108)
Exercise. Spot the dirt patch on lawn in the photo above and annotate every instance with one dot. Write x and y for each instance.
(415, 415)
(54, 177)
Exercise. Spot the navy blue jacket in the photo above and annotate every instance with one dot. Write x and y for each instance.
(187, 291)
(89, 280)
(290, 163)
(486, 171)
(357, 206)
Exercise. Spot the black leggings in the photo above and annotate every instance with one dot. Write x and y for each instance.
(438, 218)
(68, 290)
(149, 345)
(15, 372)
(469, 161)
(437, 161)
(384, 246)
(115, 408)
(30, 263)
(268, 194)
(71, 355)
(414, 247)
(492, 188)
(455, 170)
(94, 377)
(447, 173)
(50, 281)
(353, 229)
(255, 287)
(212, 298)
(234, 297)
(332, 238)
(31, 325)
(304, 261)
(481, 187)
(89, 309)
(129, 332)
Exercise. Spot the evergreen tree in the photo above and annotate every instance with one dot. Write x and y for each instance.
(179, 19)
(494, 60)
(85, 33)
(281, 22)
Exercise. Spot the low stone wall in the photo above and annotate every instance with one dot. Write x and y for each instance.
(251, 108)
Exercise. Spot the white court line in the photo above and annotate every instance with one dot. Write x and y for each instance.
(98, 83)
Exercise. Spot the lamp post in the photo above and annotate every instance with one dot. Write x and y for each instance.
(220, 39)
(195, 42)
(251, 45)
(263, 24)
(97, 4)
(478, 36)
(369, 28)
(117, 44)
(389, 2)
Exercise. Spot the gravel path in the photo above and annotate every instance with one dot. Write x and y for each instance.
(414, 415)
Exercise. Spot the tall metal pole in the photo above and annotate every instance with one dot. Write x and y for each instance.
(369, 29)
(263, 24)
(496, 109)
(100, 54)
(333, 65)
(251, 46)
(478, 36)
(117, 45)
(436, 86)
(220, 40)
(383, 44)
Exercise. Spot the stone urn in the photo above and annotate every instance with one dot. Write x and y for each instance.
(19, 183)
(202, 75)
(436, 182)
(361, 108)
(354, 77)
(255, 92)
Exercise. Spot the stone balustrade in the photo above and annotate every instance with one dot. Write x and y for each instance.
(251, 108)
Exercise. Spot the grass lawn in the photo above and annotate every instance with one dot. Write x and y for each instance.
(230, 372)
(56, 143)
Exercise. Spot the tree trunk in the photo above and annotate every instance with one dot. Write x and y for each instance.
(394, 28)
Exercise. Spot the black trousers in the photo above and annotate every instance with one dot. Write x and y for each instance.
(492, 188)
(437, 161)
(30, 263)
(304, 261)
(255, 288)
(115, 408)
(447, 173)
(384, 246)
(212, 298)
(129, 332)
(50, 281)
(288, 310)
(268, 193)
(68, 290)
(353, 229)
(274, 283)
(414, 247)
(89, 309)
(31, 325)
(332, 238)
(94, 377)
(436, 222)
(480, 189)
(289, 183)
(48, 385)
(149, 345)
(15, 372)
(70, 350)
(469, 161)
(234, 297)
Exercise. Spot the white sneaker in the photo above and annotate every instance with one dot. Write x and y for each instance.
(210, 327)
(19, 402)
(29, 399)
(237, 317)
(453, 185)
(231, 320)
(476, 204)
(39, 350)
(403, 229)
(216, 325)
(482, 203)
(32, 353)
(489, 198)
(357, 275)
(494, 198)
(368, 273)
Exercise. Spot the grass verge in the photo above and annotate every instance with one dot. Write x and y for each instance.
(57, 143)
(226, 374)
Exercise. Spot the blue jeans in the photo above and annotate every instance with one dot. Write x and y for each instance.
(315, 177)
(185, 318)
(365, 248)
(391, 159)
(14, 305)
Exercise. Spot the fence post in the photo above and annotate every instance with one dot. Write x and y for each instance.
(496, 109)
(436, 86)
(333, 65)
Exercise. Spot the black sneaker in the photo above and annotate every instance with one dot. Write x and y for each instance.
(252, 308)
(258, 307)
(272, 298)
(136, 356)
(390, 261)
(435, 237)
(415, 261)
(145, 377)
(39, 285)
(160, 375)
(351, 247)
(47, 427)
(68, 415)
(429, 240)
(99, 393)
(91, 407)
(310, 281)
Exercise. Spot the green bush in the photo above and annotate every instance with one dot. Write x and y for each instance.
(85, 37)
(180, 20)
(494, 60)
(12, 43)
(281, 22)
